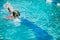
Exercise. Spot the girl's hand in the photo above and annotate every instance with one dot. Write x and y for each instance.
(7, 5)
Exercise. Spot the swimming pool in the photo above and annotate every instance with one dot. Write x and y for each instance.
(40, 18)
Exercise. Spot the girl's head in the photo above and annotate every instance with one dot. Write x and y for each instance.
(16, 13)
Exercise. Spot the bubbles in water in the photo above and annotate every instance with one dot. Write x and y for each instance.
(49, 1)
(17, 22)
(58, 4)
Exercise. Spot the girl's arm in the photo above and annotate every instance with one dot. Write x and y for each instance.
(9, 9)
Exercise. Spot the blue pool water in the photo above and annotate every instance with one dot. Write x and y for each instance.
(39, 20)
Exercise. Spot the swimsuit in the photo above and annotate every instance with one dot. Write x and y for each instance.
(9, 17)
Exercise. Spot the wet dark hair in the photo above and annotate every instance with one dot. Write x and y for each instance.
(16, 14)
